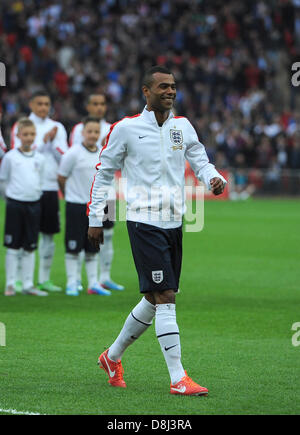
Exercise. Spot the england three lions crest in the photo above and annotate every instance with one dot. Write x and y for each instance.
(157, 276)
(177, 139)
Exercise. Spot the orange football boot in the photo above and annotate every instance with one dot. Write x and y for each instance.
(113, 369)
(187, 387)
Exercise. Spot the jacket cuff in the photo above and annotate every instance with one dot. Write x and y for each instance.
(215, 175)
(95, 222)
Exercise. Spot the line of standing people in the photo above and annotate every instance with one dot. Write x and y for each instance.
(29, 180)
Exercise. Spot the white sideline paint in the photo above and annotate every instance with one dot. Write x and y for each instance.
(15, 412)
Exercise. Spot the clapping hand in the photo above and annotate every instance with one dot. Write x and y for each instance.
(50, 135)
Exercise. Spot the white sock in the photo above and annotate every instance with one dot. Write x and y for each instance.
(91, 266)
(71, 261)
(79, 266)
(28, 262)
(244, 195)
(19, 267)
(106, 255)
(167, 332)
(46, 250)
(11, 266)
(136, 323)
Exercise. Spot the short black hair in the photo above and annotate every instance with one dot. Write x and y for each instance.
(40, 93)
(88, 119)
(148, 76)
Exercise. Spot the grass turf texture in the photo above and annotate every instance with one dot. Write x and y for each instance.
(239, 298)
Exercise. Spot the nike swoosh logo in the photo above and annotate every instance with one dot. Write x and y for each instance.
(168, 348)
(111, 374)
(141, 137)
(180, 390)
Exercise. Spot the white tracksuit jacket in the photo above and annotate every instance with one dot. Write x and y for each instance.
(152, 160)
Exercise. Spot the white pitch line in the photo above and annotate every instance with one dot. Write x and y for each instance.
(15, 412)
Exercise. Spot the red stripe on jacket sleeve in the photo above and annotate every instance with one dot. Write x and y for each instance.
(90, 201)
(99, 164)
(97, 167)
(12, 136)
(59, 150)
(2, 144)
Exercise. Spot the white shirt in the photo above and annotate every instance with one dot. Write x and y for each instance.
(76, 138)
(2, 146)
(22, 174)
(76, 133)
(51, 150)
(79, 166)
(152, 159)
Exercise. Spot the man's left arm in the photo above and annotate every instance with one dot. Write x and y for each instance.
(206, 172)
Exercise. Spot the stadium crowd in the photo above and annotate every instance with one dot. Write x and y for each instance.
(232, 61)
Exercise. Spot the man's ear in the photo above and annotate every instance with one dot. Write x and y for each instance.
(145, 90)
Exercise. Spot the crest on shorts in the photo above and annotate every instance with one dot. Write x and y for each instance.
(157, 276)
(176, 136)
(72, 244)
(8, 239)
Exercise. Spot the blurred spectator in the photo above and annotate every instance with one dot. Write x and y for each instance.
(241, 187)
(264, 154)
(295, 152)
(272, 178)
(281, 151)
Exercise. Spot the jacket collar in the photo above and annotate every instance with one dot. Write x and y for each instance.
(150, 117)
(37, 119)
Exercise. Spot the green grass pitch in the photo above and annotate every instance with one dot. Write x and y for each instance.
(240, 295)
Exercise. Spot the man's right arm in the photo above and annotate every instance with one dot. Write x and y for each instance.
(111, 159)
